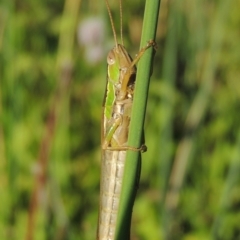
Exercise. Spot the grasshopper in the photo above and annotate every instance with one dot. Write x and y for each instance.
(117, 106)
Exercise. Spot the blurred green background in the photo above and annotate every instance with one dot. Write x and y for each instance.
(52, 80)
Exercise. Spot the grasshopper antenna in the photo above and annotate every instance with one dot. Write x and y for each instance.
(111, 20)
(121, 21)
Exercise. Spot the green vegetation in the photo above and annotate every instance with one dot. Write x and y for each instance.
(132, 167)
(52, 79)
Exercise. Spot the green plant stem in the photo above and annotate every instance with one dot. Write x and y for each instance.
(133, 159)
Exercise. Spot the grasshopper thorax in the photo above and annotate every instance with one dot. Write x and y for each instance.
(121, 72)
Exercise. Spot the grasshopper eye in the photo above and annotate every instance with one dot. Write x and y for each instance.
(110, 58)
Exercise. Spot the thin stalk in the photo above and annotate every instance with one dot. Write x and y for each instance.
(64, 72)
(133, 159)
(194, 119)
